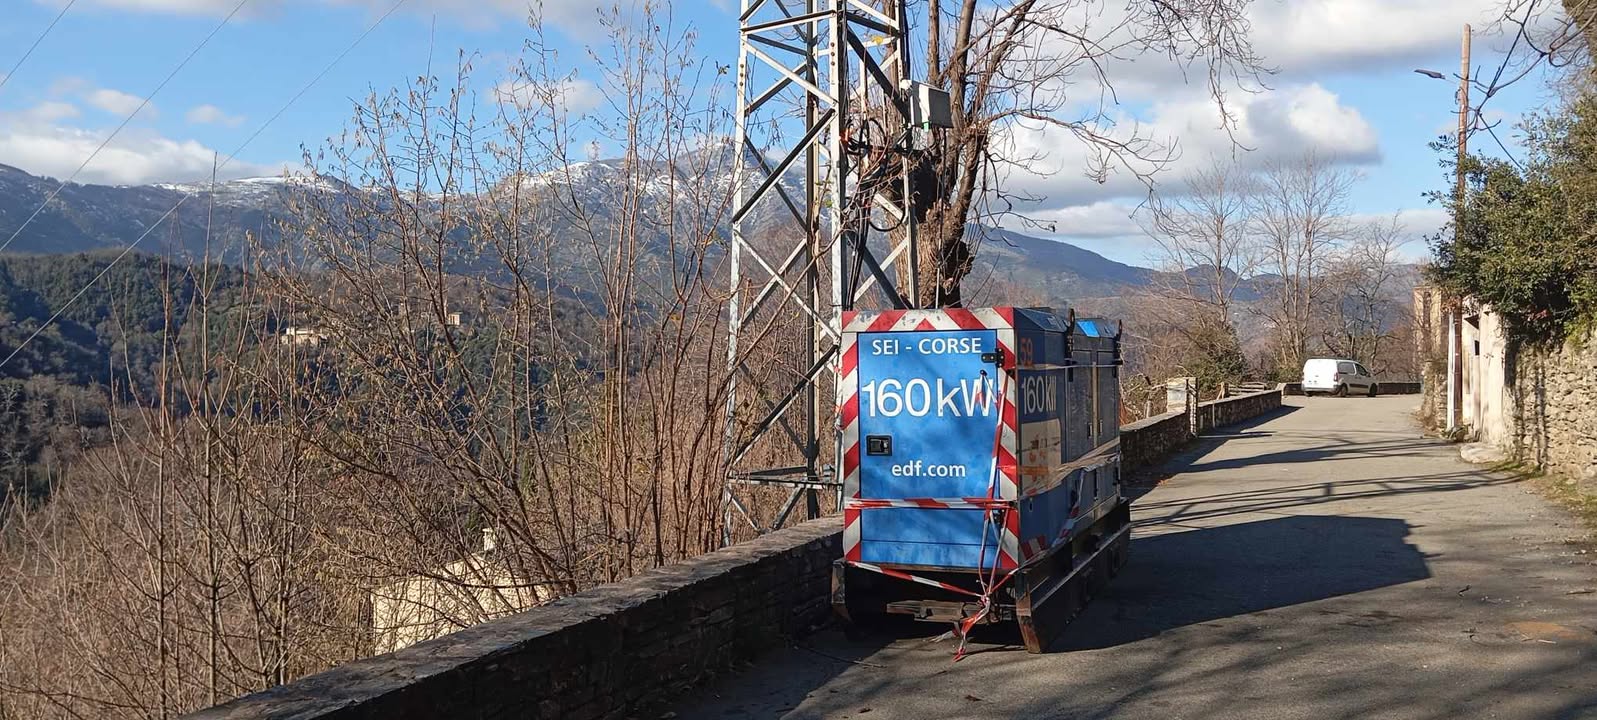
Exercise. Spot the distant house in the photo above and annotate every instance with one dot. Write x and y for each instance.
(474, 589)
(293, 335)
(452, 318)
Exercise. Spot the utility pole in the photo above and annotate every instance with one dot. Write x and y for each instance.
(1455, 370)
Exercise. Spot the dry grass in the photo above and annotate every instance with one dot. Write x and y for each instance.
(1574, 495)
(1578, 497)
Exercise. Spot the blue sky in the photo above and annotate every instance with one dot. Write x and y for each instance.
(1345, 88)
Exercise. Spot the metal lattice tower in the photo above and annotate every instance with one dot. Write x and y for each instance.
(824, 90)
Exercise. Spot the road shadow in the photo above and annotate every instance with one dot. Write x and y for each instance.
(1191, 509)
(1338, 444)
(787, 676)
(1187, 578)
(1307, 447)
(1142, 480)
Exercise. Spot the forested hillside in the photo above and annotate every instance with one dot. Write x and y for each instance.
(57, 387)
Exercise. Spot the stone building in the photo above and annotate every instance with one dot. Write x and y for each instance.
(1537, 405)
(296, 335)
(474, 589)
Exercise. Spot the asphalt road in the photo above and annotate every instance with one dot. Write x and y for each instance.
(1325, 562)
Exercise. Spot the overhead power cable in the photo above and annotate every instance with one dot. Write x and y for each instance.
(107, 141)
(231, 156)
(13, 72)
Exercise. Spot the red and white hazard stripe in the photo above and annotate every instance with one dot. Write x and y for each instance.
(1009, 541)
(943, 319)
(970, 503)
(849, 439)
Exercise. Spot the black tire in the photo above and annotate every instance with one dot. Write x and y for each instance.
(1373, 389)
(1341, 390)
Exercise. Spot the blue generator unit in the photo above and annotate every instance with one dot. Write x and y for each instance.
(981, 466)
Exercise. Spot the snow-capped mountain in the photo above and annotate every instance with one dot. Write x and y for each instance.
(89, 217)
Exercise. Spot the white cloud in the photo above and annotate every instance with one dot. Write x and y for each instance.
(1418, 226)
(575, 94)
(34, 141)
(1285, 122)
(579, 16)
(1102, 219)
(67, 85)
(182, 7)
(1311, 118)
(1159, 100)
(208, 114)
(51, 111)
(117, 102)
(581, 95)
(1303, 38)
(1105, 227)
(216, 8)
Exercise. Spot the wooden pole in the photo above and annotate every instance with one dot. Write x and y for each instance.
(1456, 411)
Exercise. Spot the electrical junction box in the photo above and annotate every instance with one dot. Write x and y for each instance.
(929, 107)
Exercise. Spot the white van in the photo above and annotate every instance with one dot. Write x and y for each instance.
(1337, 376)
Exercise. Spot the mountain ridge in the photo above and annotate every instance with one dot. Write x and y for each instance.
(88, 217)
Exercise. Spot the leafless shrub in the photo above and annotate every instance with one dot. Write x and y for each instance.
(496, 339)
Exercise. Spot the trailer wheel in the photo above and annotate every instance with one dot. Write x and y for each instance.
(859, 604)
(1119, 554)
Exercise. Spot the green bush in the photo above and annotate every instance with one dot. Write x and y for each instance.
(1527, 247)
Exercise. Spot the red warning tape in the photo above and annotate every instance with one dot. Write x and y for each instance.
(914, 578)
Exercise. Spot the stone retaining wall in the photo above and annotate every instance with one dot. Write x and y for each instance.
(605, 653)
(1554, 408)
(596, 654)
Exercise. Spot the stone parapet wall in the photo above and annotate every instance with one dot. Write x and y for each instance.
(602, 653)
(608, 652)
(1232, 410)
(1147, 442)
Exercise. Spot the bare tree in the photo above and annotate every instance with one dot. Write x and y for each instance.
(1365, 302)
(1042, 64)
(1204, 252)
(493, 337)
(1203, 233)
(1301, 209)
(1556, 33)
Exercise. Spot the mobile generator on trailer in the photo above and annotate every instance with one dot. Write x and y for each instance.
(981, 467)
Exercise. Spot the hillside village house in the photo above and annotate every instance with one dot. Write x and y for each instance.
(474, 589)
